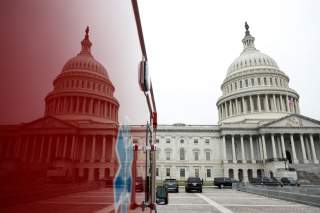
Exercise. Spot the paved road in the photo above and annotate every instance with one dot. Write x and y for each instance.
(211, 200)
(84, 202)
(228, 201)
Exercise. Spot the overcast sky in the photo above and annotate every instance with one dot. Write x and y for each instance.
(191, 44)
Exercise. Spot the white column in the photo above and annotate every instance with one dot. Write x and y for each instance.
(224, 148)
(18, 153)
(304, 156)
(274, 103)
(237, 107)
(103, 154)
(298, 108)
(64, 152)
(244, 106)
(72, 151)
(57, 146)
(234, 158)
(49, 149)
(251, 104)
(78, 104)
(251, 150)
(266, 101)
(274, 151)
(264, 148)
(242, 150)
(93, 150)
(294, 155)
(259, 103)
(282, 104)
(283, 147)
(314, 156)
(41, 149)
(230, 108)
(83, 150)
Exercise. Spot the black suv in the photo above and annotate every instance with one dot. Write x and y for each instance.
(171, 185)
(193, 183)
(222, 182)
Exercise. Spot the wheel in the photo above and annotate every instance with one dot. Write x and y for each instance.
(166, 202)
(187, 190)
(177, 190)
(200, 190)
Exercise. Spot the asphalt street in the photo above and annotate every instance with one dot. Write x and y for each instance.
(211, 200)
(228, 201)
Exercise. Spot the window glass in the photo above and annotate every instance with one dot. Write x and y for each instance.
(168, 155)
(196, 172)
(182, 172)
(208, 155)
(196, 155)
(207, 141)
(182, 154)
(181, 141)
(209, 173)
(168, 141)
(157, 172)
(168, 172)
(195, 141)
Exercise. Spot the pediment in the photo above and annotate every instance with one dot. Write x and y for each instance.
(48, 123)
(294, 121)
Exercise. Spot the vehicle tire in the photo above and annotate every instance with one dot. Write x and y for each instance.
(200, 190)
(177, 190)
(187, 190)
(166, 201)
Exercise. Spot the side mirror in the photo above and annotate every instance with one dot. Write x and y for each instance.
(162, 195)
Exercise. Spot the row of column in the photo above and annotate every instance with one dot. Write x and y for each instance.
(77, 104)
(263, 148)
(258, 103)
(40, 149)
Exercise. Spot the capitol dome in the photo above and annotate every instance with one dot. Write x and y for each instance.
(83, 90)
(255, 88)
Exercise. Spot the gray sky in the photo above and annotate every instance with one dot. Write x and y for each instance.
(191, 44)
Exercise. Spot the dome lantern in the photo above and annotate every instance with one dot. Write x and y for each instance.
(86, 44)
(248, 40)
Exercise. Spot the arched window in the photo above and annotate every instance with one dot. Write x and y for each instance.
(182, 154)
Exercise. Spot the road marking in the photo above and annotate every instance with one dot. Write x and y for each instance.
(221, 208)
(264, 205)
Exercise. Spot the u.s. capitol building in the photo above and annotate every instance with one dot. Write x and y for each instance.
(260, 131)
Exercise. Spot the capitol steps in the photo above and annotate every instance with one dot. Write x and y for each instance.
(308, 173)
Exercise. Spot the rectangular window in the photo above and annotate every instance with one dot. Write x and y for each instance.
(168, 172)
(157, 172)
(208, 155)
(246, 82)
(241, 84)
(236, 85)
(168, 141)
(195, 141)
(168, 155)
(209, 173)
(265, 81)
(252, 82)
(207, 141)
(157, 141)
(196, 155)
(182, 172)
(270, 81)
(196, 172)
(259, 81)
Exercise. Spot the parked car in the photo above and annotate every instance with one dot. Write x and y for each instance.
(288, 181)
(161, 195)
(171, 185)
(268, 182)
(194, 183)
(139, 185)
(222, 182)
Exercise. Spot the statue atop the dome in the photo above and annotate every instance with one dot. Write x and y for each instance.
(87, 30)
(246, 26)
